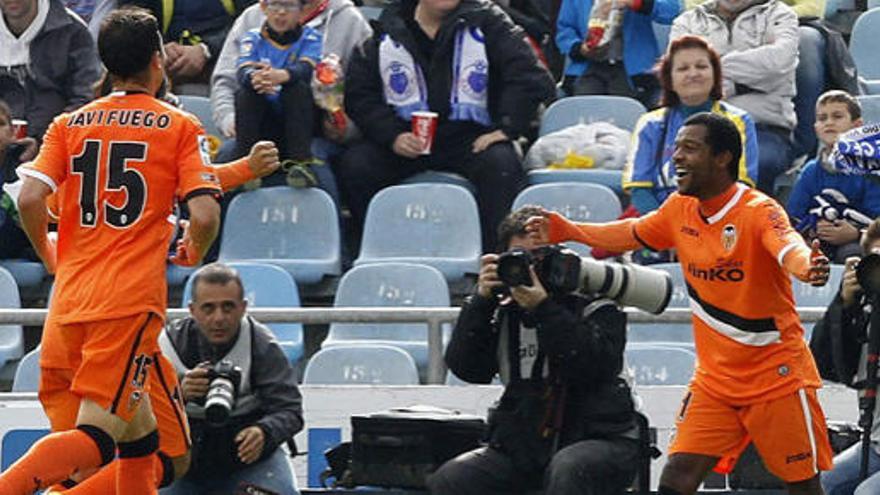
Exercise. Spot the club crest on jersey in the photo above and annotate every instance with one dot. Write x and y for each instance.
(205, 149)
(728, 237)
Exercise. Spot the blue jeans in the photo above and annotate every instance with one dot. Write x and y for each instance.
(273, 474)
(810, 78)
(775, 154)
(844, 478)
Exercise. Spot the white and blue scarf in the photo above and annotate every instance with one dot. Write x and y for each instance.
(404, 82)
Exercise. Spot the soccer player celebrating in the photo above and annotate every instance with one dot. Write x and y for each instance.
(755, 379)
(117, 164)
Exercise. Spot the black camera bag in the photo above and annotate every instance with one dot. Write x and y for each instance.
(401, 447)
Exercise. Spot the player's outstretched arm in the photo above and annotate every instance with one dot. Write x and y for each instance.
(199, 232)
(35, 219)
(262, 161)
(551, 227)
(808, 264)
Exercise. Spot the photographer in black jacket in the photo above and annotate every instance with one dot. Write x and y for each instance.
(566, 417)
(846, 321)
(238, 454)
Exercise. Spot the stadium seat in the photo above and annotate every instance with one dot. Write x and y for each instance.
(296, 229)
(176, 275)
(371, 12)
(677, 333)
(431, 224)
(621, 111)
(389, 285)
(658, 364)
(661, 34)
(361, 364)
(27, 274)
(806, 296)
(863, 47)
(27, 375)
(577, 201)
(200, 106)
(11, 338)
(612, 179)
(439, 177)
(268, 286)
(870, 108)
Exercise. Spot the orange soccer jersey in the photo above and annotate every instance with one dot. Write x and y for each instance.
(748, 336)
(117, 164)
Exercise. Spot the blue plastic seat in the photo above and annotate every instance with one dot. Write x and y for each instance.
(621, 111)
(613, 179)
(368, 364)
(200, 106)
(863, 47)
(27, 274)
(440, 177)
(658, 364)
(805, 295)
(389, 285)
(870, 108)
(268, 286)
(296, 229)
(27, 375)
(430, 224)
(577, 201)
(11, 338)
(679, 333)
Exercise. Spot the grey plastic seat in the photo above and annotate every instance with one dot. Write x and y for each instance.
(295, 229)
(805, 295)
(200, 106)
(863, 47)
(389, 285)
(681, 333)
(268, 286)
(870, 108)
(621, 111)
(366, 364)
(657, 364)
(431, 224)
(11, 337)
(27, 375)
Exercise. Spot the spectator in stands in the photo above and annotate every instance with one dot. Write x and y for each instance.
(274, 74)
(690, 76)
(464, 60)
(623, 67)
(13, 241)
(566, 417)
(758, 44)
(826, 204)
(92, 12)
(851, 314)
(194, 31)
(267, 409)
(48, 61)
(342, 27)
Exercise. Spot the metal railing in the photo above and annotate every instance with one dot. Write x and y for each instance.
(434, 317)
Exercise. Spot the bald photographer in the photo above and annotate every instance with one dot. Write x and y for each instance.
(565, 420)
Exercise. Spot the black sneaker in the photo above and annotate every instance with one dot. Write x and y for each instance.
(300, 173)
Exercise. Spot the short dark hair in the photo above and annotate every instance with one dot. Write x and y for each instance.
(838, 96)
(514, 224)
(216, 274)
(721, 135)
(668, 97)
(127, 41)
(870, 236)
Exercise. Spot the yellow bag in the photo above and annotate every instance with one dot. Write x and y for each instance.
(573, 160)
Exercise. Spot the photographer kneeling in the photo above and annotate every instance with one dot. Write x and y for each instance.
(566, 418)
(847, 320)
(240, 392)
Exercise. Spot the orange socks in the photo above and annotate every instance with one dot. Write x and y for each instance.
(55, 457)
(137, 460)
(104, 481)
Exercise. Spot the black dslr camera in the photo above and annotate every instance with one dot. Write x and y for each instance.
(224, 378)
(557, 267)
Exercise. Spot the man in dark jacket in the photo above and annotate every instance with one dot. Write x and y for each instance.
(464, 60)
(48, 61)
(266, 407)
(566, 417)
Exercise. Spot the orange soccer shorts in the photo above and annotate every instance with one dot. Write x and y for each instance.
(789, 432)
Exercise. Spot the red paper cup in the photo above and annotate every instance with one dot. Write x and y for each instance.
(19, 129)
(424, 126)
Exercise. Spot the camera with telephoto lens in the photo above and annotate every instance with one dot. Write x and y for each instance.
(224, 378)
(562, 271)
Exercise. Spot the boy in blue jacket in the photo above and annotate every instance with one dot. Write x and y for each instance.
(827, 205)
(274, 99)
